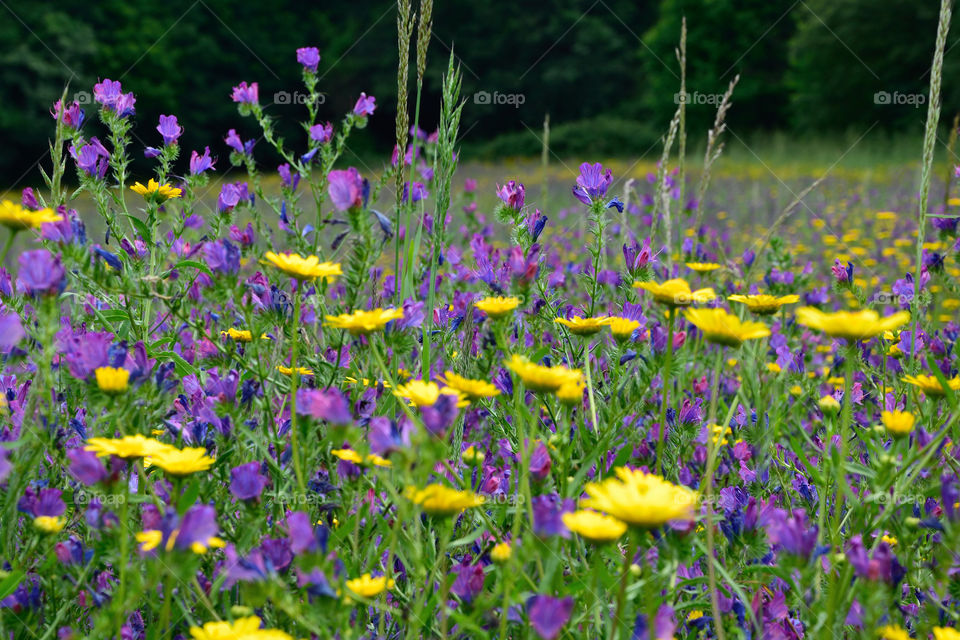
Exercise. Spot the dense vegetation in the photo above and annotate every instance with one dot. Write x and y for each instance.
(813, 65)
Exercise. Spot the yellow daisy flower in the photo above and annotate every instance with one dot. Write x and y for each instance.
(126, 447)
(364, 322)
(501, 553)
(930, 385)
(584, 326)
(370, 587)
(303, 371)
(497, 307)
(240, 335)
(538, 377)
(898, 423)
(16, 217)
(702, 267)
(309, 268)
(472, 389)
(851, 325)
(441, 500)
(724, 328)
(676, 292)
(622, 328)
(424, 394)
(181, 462)
(112, 379)
(156, 190)
(49, 524)
(594, 526)
(763, 304)
(640, 499)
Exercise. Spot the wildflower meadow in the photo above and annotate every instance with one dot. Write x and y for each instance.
(332, 400)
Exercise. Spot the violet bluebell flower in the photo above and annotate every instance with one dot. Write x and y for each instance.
(200, 163)
(107, 92)
(439, 416)
(86, 466)
(592, 183)
(40, 273)
(151, 152)
(791, 531)
(415, 194)
(548, 615)
(289, 178)
(246, 481)
(883, 564)
(46, 502)
(324, 404)
(11, 331)
(71, 117)
(231, 195)
(843, 275)
(321, 132)
(548, 513)
(246, 94)
(91, 158)
(365, 105)
(222, 256)
(345, 187)
(469, 581)
(234, 142)
(309, 57)
(512, 194)
(169, 129)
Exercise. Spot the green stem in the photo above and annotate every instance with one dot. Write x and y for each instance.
(294, 379)
(8, 245)
(622, 593)
(593, 404)
(665, 391)
(713, 449)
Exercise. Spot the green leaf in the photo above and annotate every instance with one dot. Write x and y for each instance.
(10, 583)
(199, 266)
(188, 498)
(141, 227)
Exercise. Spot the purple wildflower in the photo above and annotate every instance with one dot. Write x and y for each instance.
(345, 188)
(169, 129)
(548, 614)
(200, 163)
(246, 481)
(592, 183)
(309, 57)
(365, 105)
(246, 94)
(40, 272)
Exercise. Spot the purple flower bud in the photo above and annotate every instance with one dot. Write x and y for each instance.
(512, 194)
(365, 105)
(246, 481)
(169, 129)
(199, 164)
(40, 273)
(548, 614)
(592, 183)
(244, 94)
(321, 132)
(345, 187)
(309, 57)
(324, 404)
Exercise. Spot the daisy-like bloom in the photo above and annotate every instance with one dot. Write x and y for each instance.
(898, 423)
(303, 371)
(472, 455)
(540, 378)
(239, 628)
(892, 632)
(829, 405)
(851, 325)
(151, 539)
(724, 328)
(112, 379)
(370, 587)
(640, 499)
(702, 267)
(945, 633)
(676, 292)
(240, 335)
(441, 500)
(594, 526)
(763, 304)
(584, 326)
(425, 394)
(49, 524)
(349, 455)
(718, 433)
(126, 447)
(309, 268)
(930, 385)
(497, 307)
(156, 190)
(622, 328)
(501, 553)
(472, 389)
(364, 322)
(571, 393)
(16, 217)
(181, 462)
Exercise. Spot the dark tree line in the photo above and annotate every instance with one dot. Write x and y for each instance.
(605, 70)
